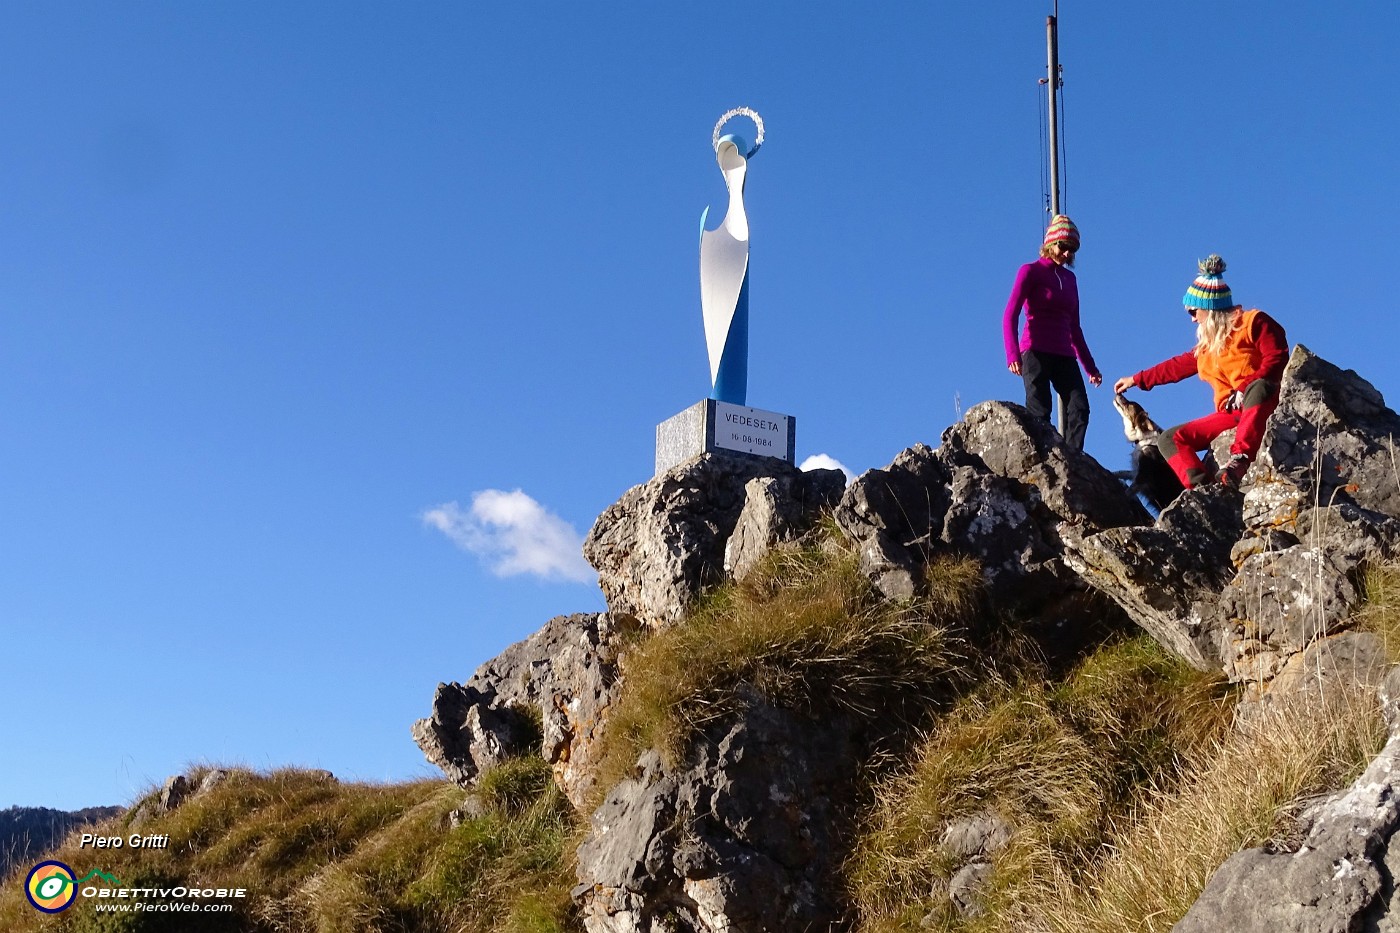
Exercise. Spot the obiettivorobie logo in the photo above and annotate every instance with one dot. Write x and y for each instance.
(52, 886)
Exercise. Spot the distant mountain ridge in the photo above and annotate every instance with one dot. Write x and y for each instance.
(27, 832)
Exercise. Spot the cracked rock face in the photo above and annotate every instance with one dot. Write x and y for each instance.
(566, 673)
(664, 541)
(1002, 487)
(1332, 438)
(1166, 575)
(778, 509)
(747, 835)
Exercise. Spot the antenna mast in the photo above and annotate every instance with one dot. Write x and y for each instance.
(1052, 51)
(1052, 48)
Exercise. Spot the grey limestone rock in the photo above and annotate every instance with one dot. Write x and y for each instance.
(1290, 598)
(746, 832)
(965, 887)
(1336, 663)
(566, 672)
(1243, 586)
(778, 509)
(468, 732)
(663, 542)
(487, 734)
(1339, 879)
(1282, 601)
(211, 780)
(1006, 440)
(745, 835)
(177, 787)
(1167, 575)
(894, 515)
(1332, 438)
(973, 840)
(977, 836)
(1001, 487)
(175, 791)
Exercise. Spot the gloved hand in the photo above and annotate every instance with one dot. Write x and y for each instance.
(1234, 401)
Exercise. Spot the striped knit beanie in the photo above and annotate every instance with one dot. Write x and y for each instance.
(1209, 291)
(1062, 228)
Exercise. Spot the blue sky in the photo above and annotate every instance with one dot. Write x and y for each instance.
(330, 327)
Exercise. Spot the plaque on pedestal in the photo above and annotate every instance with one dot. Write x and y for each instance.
(712, 425)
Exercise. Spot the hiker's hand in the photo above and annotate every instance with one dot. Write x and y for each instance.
(1234, 401)
(1123, 385)
(1096, 380)
(1015, 367)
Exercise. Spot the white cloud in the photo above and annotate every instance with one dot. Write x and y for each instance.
(513, 534)
(826, 462)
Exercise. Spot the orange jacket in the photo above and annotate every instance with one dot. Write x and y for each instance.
(1256, 349)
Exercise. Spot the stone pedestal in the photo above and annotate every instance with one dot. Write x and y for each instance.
(714, 425)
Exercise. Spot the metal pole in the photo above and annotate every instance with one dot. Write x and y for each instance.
(1052, 47)
(1053, 50)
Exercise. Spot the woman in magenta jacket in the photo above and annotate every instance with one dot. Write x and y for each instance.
(1051, 347)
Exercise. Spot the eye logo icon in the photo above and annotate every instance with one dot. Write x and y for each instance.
(51, 887)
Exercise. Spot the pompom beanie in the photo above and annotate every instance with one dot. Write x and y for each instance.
(1062, 229)
(1208, 290)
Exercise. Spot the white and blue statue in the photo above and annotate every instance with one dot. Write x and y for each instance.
(724, 268)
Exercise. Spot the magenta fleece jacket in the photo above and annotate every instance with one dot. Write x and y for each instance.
(1050, 296)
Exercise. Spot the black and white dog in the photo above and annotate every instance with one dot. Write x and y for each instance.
(1151, 478)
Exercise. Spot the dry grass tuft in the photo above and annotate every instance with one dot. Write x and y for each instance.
(804, 629)
(1381, 613)
(1241, 791)
(1125, 791)
(321, 856)
(483, 876)
(1057, 762)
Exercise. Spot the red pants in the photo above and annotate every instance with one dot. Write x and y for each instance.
(1179, 444)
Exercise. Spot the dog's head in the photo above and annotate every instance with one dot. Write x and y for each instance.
(1138, 426)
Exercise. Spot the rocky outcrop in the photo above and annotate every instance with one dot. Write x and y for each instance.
(550, 691)
(658, 546)
(777, 509)
(973, 841)
(1001, 488)
(1167, 576)
(178, 788)
(746, 834)
(1331, 440)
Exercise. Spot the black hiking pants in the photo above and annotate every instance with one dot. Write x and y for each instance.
(1043, 371)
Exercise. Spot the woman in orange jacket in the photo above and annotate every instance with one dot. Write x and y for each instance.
(1241, 355)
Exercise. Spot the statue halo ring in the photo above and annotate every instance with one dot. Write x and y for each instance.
(740, 112)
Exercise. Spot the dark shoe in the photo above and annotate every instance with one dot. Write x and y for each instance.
(1234, 471)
